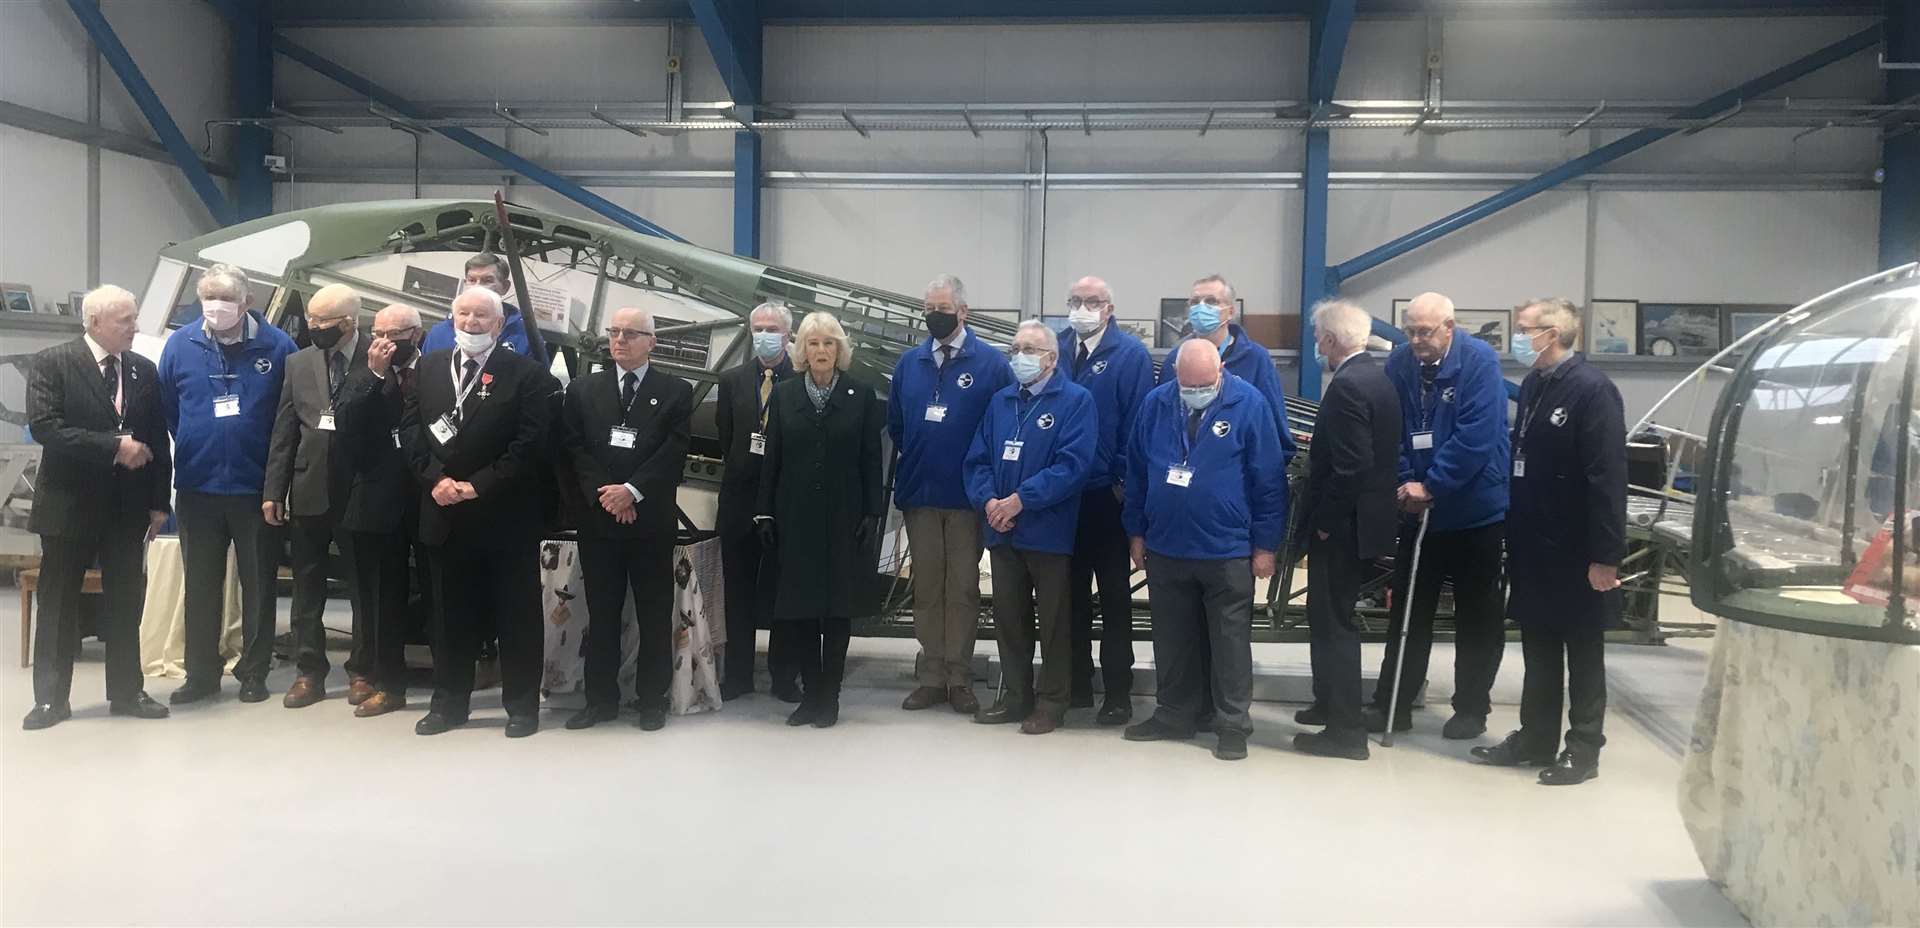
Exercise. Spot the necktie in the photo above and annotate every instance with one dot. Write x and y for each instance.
(406, 381)
(1080, 358)
(946, 355)
(628, 386)
(1193, 423)
(110, 373)
(1026, 396)
(336, 371)
(766, 390)
(467, 373)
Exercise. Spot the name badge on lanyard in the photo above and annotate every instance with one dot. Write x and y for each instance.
(443, 429)
(936, 412)
(1010, 451)
(227, 404)
(622, 437)
(1423, 441)
(326, 422)
(1179, 475)
(1519, 466)
(396, 438)
(757, 443)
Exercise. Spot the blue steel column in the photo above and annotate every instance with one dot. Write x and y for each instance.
(253, 98)
(733, 33)
(1326, 47)
(746, 194)
(1900, 156)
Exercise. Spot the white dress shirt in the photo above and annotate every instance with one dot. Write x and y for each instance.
(100, 356)
(619, 384)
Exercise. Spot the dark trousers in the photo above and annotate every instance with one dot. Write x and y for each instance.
(611, 567)
(1471, 559)
(1334, 571)
(478, 587)
(1100, 555)
(748, 570)
(312, 538)
(210, 524)
(380, 587)
(1577, 651)
(1202, 606)
(819, 646)
(64, 560)
(1029, 585)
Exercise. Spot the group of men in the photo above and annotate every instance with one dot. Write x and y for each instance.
(1067, 459)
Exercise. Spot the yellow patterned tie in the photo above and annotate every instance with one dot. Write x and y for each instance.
(766, 390)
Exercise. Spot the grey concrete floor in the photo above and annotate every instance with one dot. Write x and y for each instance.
(236, 814)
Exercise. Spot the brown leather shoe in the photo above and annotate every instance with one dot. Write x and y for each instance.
(1039, 723)
(359, 688)
(963, 699)
(379, 704)
(924, 697)
(304, 692)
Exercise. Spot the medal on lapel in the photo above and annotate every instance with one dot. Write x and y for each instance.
(486, 383)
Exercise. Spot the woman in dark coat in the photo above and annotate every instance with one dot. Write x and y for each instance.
(821, 505)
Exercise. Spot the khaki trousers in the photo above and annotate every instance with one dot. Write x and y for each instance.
(946, 592)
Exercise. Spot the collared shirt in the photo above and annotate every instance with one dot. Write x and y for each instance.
(460, 361)
(956, 341)
(346, 346)
(620, 376)
(1091, 341)
(250, 330)
(1034, 388)
(100, 356)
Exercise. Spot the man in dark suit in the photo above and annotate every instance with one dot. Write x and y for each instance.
(105, 473)
(307, 486)
(472, 431)
(382, 511)
(1350, 513)
(746, 392)
(626, 429)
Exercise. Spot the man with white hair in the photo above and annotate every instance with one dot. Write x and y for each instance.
(1349, 518)
(1112, 365)
(490, 271)
(740, 415)
(1206, 509)
(220, 386)
(941, 389)
(306, 488)
(473, 431)
(94, 409)
(1025, 470)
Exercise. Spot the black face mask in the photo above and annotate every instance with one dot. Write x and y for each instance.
(403, 352)
(942, 325)
(325, 339)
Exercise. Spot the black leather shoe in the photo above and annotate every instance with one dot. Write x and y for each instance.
(254, 690)
(1321, 744)
(1463, 726)
(1002, 711)
(652, 719)
(1513, 752)
(1117, 710)
(1574, 766)
(592, 715)
(520, 726)
(141, 706)
(434, 723)
(826, 714)
(194, 691)
(1376, 719)
(786, 692)
(1232, 745)
(1314, 716)
(804, 715)
(1155, 730)
(1204, 722)
(46, 715)
(732, 691)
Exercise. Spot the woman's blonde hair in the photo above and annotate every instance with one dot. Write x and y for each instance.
(823, 323)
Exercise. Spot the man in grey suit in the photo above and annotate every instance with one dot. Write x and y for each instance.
(306, 485)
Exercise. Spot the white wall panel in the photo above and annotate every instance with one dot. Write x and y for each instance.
(525, 62)
(1534, 249)
(899, 239)
(43, 199)
(183, 48)
(144, 206)
(43, 58)
(1748, 247)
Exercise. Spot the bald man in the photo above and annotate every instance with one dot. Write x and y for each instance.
(1206, 506)
(306, 486)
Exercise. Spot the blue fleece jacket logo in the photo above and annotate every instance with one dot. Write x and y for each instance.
(263, 365)
(1099, 367)
(1221, 427)
(1045, 421)
(965, 380)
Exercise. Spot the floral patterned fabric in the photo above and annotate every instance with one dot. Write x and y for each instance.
(698, 626)
(1800, 788)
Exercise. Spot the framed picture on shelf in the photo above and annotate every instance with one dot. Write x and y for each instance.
(1141, 329)
(1173, 320)
(1738, 320)
(1679, 330)
(1492, 326)
(18, 297)
(1613, 327)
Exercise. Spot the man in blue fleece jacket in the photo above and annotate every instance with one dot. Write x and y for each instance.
(1025, 470)
(219, 390)
(1212, 314)
(941, 389)
(1206, 508)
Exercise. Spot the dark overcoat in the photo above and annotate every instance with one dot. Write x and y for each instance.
(821, 476)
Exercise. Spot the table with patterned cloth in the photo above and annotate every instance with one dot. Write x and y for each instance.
(1800, 789)
(163, 616)
(699, 627)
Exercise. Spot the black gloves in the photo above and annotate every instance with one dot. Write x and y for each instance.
(866, 532)
(767, 535)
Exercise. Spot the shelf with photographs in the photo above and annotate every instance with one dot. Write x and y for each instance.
(1683, 331)
(1493, 326)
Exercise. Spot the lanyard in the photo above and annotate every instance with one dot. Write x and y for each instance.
(766, 402)
(999, 485)
(628, 411)
(1429, 401)
(940, 370)
(460, 401)
(226, 375)
(1186, 440)
(1533, 411)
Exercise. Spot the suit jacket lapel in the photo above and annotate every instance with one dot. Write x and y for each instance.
(83, 359)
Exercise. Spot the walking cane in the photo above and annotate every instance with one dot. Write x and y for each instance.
(1406, 619)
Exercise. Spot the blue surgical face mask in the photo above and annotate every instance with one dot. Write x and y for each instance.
(1026, 367)
(1203, 318)
(1198, 398)
(1319, 357)
(1523, 350)
(768, 345)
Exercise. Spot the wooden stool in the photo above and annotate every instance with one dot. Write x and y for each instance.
(29, 581)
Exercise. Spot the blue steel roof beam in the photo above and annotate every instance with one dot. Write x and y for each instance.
(1327, 46)
(176, 144)
(732, 31)
(565, 186)
(1626, 145)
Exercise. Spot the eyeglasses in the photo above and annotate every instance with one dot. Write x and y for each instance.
(1213, 301)
(1094, 303)
(1533, 329)
(326, 323)
(627, 334)
(393, 334)
(1424, 331)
